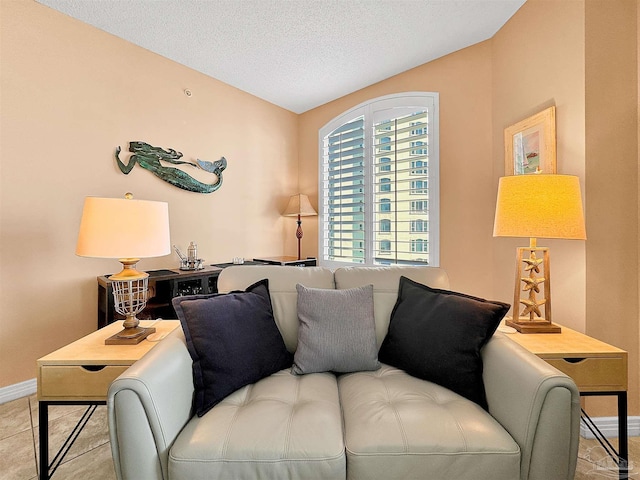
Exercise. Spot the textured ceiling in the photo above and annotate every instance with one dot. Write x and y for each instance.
(297, 53)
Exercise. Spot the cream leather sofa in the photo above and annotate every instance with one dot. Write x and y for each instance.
(381, 424)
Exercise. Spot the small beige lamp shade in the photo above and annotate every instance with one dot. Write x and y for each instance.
(537, 205)
(299, 206)
(128, 230)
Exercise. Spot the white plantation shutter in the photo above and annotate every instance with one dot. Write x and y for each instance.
(344, 202)
(379, 183)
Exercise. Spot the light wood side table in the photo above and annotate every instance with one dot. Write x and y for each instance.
(80, 374)
(596, 367)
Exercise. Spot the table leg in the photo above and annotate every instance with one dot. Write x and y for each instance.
(43, 430)
(623, 436)
(621, 456)
(48, 469)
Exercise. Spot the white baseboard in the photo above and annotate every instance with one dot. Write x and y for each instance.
(18, 390)
(609, 427)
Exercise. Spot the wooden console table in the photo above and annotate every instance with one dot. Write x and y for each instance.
(596, 367)
(80, 374)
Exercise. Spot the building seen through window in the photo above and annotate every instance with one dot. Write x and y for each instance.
(379, 183)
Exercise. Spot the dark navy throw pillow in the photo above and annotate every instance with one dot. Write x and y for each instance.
(233, 340)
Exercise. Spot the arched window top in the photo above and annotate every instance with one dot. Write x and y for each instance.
(389, 147)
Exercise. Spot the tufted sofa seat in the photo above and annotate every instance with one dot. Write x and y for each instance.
(386, 414)
(285, 425)
(366, 425)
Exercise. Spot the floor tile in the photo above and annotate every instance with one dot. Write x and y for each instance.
(95, 465)
(93, 435)
(14, 417)
(595, 464)
(55, 411)
(18, 457)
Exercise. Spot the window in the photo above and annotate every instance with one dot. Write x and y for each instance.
(418, 131)
(419, 226)
(382, 146)
(419, 245)
(418, 151)
(378, 183)
(418, 167)
(385, 205)
(384, 165)
(419, 206)
(418, 187)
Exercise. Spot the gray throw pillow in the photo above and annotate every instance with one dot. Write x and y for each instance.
(336, 331)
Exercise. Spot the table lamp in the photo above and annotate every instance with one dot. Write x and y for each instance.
(537, 206)
(299, 206)
(128, 230)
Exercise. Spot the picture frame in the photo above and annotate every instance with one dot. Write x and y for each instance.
(530, 145)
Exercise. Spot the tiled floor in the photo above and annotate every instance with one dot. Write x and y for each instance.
(593, 463)
(90, 456)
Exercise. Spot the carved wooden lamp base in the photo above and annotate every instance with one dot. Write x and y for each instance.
(535, 316)
(299, 234)
(524, 325)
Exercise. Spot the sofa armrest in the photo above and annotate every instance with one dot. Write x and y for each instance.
(537, 404)
(148, 405)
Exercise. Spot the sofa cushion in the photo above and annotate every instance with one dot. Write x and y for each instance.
(283, 426)
(385, 286)
(400, 427)
(282, 287)
(336, 331)
(233, 341)
(437, 335)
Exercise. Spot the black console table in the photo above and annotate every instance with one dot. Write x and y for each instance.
(288, 261)
(166, 284)
(163, 286)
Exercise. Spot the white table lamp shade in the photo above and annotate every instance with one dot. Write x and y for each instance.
(123, 228)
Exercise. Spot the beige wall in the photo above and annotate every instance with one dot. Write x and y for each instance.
(463, 81)
(70, 95)
(611, 107)
(584, 61)
(538, 61)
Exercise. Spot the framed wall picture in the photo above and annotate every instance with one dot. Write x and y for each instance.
(530, 145)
